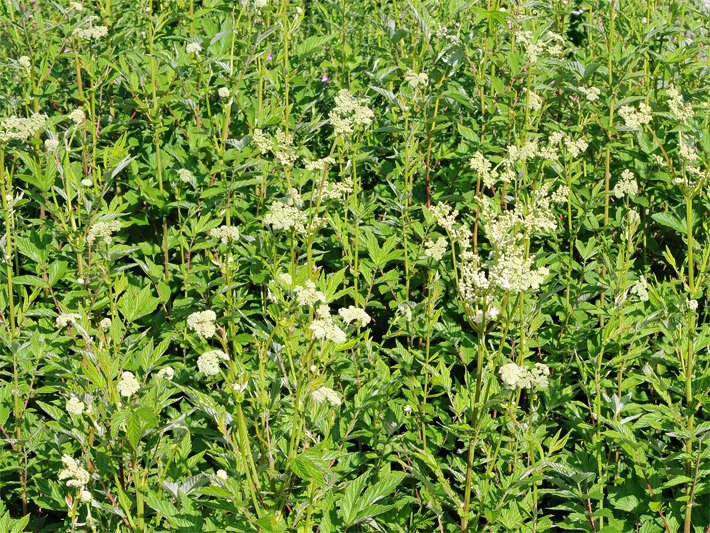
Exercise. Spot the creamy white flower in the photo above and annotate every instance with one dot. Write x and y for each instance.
(692, 305)
(626, 186)
(51, 145)
(286, 215)
(634, 119)
(308, 295)
(86, 182)
(534, 100)
(416, 80)
(186, 176)
(592, 93)
(24, 62)
(444, 215)
(225, 233)
(319, 164)
(349, 114)
(640, 289)
(76, 476)
(105, 324)
(21, 128)
(518, 377)
(326, 394)
(128, 385)
(223, 92)
(221, 474)
(203, 323)
(166, 373)
(436, 250)
(483, 168)
(263, 143)
(208, 362)
(65, 319)
(259, 4)
(325, 328)
(75, 406)
(354, 314)
(77, 116)
(193, 48)
(681, 110)
(103, 231)
(285, 279)
(85, 496)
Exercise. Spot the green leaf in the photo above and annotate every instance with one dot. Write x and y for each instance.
(136, 303)
(670, 221)
(309, 467)
(312, 43)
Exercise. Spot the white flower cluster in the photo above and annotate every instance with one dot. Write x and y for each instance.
(640, 289)
(167, 373)
(193, 48)
(51, 145)
(634, 119)
(483, 167)
(225, 233)
(105, 324)
(263, 143)
(519, 377)
(551, 43)
(308, 295)
(223, 92)
(591, 93)
(575, 146)
(24, 62)
(203, 323)
(337, 191)
(128, 384)
(186, 176)
(326, 394)
(626, 186)
(287, 215)
(208, 362)
(416, 80)
(77, 116)
(324, 327)
(681, 110)
(349, 114)
(534, 101)
(65, 319)
(354, 314)
(75, 406)
(561, 195)
(76, 476)
(551, 152)
(284, 150)
(436, 250)
(491, 314)
(103, 231)
(319, 165)
(91, 32)
(444, 215)
(21, 128)
(510, 268)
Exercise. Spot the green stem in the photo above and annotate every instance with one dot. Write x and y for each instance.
(5, 185)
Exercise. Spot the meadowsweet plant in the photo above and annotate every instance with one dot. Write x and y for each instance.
(354, 266)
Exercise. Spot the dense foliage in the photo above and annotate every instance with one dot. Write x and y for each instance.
(358, 265)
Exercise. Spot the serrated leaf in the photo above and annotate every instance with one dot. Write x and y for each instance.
(136, 303)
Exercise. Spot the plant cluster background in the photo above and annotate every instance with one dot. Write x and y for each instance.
(331, 266)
